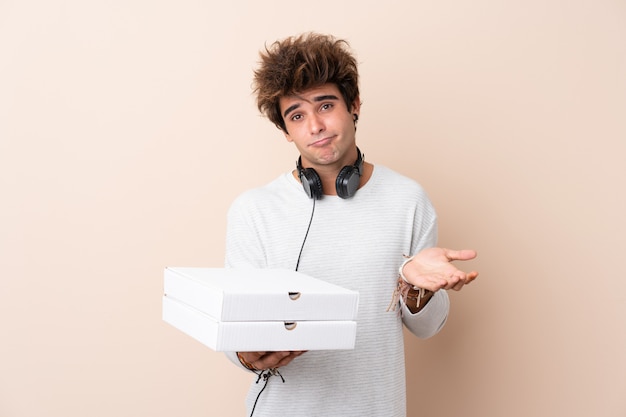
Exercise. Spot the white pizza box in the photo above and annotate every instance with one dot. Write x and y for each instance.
(241, 336)
(249, 294)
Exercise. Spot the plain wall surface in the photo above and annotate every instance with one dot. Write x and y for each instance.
(127, 128)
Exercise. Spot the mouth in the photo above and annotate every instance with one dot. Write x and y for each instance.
(322, 142)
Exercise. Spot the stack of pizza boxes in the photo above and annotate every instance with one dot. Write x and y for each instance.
(231, 309)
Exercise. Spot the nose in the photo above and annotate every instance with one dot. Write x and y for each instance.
(316, 124)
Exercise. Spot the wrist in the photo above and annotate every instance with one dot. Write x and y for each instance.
(245, 363)
(401, 269)
(416, 299)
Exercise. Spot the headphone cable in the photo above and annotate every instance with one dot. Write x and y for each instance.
(266, 375)
(305, 236)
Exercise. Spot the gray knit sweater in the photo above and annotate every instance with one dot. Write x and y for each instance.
(356, 243)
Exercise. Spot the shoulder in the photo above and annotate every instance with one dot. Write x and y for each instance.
(271, 195)
(395, 191)
(395, 182)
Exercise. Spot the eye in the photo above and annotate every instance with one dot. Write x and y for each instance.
(296, 117)
(326, 106)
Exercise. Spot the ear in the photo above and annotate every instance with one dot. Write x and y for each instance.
(287, 136)
(356, 106)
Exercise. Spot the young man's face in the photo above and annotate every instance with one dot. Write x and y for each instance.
(321, 126)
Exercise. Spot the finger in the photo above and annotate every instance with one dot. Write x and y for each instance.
(287, 359)
(253, 356)
(279, 359)
(460, 255)
(467, 280)
(268, 361)
(457, 281)
(459, 285)
(432, 283)
(271, 360)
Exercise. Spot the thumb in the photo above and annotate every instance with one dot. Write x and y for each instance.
(460, 255)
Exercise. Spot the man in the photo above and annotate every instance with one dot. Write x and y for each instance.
(339, 218)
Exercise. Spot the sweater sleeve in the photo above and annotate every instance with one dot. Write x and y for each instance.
(429, 320)
(232, 356)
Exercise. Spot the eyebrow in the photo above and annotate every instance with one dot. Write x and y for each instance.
(315, 100)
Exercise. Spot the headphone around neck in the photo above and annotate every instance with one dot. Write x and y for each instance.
(346, 184)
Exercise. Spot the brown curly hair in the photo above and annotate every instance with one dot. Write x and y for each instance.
(299, 63)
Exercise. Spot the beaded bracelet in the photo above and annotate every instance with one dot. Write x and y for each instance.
(245, 363)
(404, 287)
(406, 261)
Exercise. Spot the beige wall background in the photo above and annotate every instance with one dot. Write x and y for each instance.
(127, 128)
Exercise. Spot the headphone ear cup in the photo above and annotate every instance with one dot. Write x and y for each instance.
(312, 183)
(347, 182)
